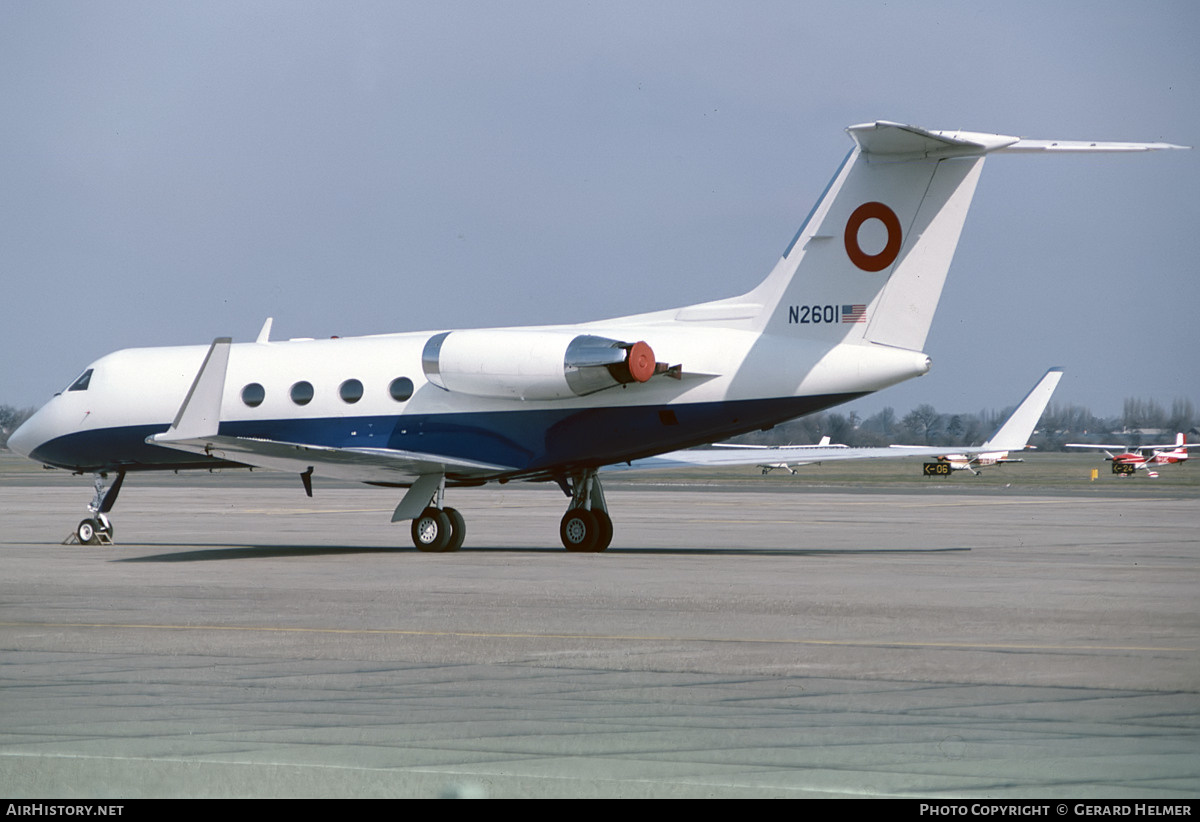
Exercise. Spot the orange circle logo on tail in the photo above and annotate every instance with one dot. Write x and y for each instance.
(873, 262)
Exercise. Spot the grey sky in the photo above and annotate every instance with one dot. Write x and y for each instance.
(173, 172)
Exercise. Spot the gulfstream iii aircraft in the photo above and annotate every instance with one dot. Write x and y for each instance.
(844, 312)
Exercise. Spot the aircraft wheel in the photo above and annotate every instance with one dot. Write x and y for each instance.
(85, 532)
(431, 531)
(604, 530)
(458, 530)
(579, 530)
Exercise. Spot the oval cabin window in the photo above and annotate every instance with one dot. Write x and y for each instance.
(302, 393)
(351, 391)
(253, 395)
(401, 389)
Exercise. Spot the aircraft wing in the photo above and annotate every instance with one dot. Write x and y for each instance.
(786, 455)
(1167, 446)
(1013, 435)
(725, 456)
(360, 464)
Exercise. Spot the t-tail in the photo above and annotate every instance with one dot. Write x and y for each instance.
(870, 260)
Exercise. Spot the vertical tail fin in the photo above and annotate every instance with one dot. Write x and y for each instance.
(870, 260)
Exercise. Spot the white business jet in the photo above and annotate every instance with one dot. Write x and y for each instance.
(844, 312)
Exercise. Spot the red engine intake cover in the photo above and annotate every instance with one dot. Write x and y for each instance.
(641, 361)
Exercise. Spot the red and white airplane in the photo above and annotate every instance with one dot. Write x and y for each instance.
(1131, 459)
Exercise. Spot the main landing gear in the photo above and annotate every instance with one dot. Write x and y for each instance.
(437, 529)
(97, 529)
(586, 527)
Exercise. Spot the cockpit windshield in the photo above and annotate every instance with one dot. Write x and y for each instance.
(81, 384)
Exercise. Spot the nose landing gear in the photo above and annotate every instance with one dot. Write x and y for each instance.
(92, 531)
(98, 528)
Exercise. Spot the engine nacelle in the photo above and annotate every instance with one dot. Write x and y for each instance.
(533, 365)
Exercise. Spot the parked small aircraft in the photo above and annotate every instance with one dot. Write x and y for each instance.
(1012, 435)
(1133, 458)
(845, 312)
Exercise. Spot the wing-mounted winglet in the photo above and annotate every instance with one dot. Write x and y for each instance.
(200, 414)
(264, 335)
(1014, 434)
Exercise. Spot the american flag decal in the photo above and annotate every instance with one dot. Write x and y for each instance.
(854, 313)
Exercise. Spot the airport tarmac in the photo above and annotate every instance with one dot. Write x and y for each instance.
(245, 641)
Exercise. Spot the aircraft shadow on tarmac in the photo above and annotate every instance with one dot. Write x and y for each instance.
(219, 553)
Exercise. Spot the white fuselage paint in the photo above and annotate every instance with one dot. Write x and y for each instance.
(145, 386)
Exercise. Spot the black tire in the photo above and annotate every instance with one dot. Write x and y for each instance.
(431, 531)
(458, 530)
(579, 530)
(86, 531)
(604, 530)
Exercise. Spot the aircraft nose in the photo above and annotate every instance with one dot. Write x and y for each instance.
(27, 437)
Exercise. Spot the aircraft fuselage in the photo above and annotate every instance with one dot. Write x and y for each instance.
(372, 392)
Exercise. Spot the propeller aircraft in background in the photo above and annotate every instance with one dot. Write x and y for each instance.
(1129, 460)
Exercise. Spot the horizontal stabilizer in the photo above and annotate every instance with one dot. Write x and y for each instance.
(884, 138)
(1031, 146)
(899, 141)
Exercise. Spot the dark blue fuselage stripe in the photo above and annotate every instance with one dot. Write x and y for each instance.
(525, 441)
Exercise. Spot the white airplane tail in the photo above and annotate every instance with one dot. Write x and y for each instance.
(870, 260)
(1014, 433)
